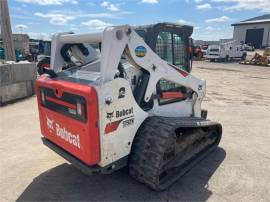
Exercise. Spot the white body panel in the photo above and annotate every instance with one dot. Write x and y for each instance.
(117, 144)
(81, 38)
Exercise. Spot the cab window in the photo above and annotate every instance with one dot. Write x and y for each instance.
(172, 48)
(170, 92)
(164, 47)
(180, 51)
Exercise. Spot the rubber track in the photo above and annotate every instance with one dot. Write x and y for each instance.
(148, 147)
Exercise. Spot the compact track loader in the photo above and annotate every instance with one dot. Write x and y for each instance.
(109, 101)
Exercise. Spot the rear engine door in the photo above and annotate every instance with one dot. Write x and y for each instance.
(68, 115)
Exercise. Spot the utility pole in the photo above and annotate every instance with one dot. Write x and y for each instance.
(6, 31)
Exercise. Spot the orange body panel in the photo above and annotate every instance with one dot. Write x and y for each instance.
(79, 138)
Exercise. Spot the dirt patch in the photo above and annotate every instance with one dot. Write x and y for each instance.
(238, 170)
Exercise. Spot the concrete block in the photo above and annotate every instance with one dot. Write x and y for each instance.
(16, 91)
(5, 74)
(17, 72)
(24, 72)
(16, 81)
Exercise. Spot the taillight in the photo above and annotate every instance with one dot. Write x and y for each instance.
(81, 109)
(43, 96)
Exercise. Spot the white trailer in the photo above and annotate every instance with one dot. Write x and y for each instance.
(225, 52)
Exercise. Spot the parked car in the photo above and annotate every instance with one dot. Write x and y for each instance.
(225, 52)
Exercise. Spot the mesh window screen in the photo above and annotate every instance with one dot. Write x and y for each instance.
(172, 48)
(179, 51)
(164, 46)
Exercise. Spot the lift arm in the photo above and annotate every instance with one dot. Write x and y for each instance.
(118, 39)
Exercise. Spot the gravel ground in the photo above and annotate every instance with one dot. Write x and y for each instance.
(238, 96)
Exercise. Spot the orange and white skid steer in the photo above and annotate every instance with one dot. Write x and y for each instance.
(109, 101)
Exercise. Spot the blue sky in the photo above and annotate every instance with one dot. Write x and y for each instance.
(211, 19)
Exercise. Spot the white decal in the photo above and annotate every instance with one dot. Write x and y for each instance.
(128, 122)
(124, 112)
(50, 123)
(63, 133)
(67, 136)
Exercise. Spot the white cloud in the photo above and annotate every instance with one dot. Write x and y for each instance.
(113, 7)
(56, 18)
(209, 28)
(21, 26)
(204, 6)
(105, 15)
(64, 18)
(218, 20)
(150, 1)
(110, 6)
(182, 21)
(48, 2)
(238, 5)
(95, 24)
(105, 3)
(212, 33)
(74, 2)
(198, 1)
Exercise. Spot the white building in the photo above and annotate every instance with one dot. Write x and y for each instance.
(254, 31)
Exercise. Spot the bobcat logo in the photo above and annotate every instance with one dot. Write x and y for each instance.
(110, 115)
(122, 92)
(50, 123)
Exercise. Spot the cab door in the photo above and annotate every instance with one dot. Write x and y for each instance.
(173, 48)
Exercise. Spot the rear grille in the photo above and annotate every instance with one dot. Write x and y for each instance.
(68, 104)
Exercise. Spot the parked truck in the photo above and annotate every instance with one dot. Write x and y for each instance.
(225, 52)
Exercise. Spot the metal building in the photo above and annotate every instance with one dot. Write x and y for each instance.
(21, 42)
(254, 31)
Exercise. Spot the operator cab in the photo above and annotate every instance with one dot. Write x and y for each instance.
(171, 41)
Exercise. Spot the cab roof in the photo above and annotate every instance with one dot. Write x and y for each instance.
(187, 29)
